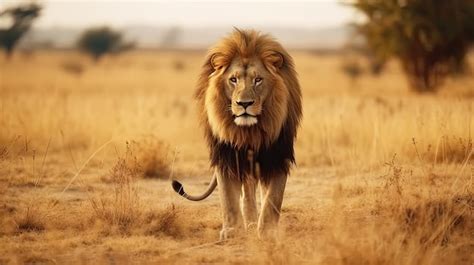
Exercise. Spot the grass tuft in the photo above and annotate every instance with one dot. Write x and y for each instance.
(121, 209)
(150, 157)
(31, 220)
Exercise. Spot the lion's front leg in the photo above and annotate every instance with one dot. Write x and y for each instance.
(229, 193)
(249, 204)
(272, 199)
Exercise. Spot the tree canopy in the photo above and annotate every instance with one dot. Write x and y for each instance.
(22, 18)
(430, 37)
(102, 40)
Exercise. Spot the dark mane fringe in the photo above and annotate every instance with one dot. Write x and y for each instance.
(236, 162)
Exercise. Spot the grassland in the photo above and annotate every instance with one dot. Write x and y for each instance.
(384, 176)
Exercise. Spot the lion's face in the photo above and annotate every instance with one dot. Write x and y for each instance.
(248, 90)
(247, 85)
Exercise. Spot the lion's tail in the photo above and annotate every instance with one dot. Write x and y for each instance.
(178, 187)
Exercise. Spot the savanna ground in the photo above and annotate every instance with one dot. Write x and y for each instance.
(384, 175)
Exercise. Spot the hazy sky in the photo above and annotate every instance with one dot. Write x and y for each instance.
(74, 13)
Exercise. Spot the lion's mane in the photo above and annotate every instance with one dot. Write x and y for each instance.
(269, 144)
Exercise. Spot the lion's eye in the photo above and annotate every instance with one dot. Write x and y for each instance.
(233, 80)
(258, 80)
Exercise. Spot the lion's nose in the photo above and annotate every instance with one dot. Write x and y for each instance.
(244, 104)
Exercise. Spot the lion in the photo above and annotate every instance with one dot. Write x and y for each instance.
(249, 103)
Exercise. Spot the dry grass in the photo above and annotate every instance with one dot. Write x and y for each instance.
(384, 176)
(31, 220)
(151, 157)
(406, 225)
(123, 209)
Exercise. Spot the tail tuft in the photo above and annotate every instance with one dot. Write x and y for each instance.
(178, 187)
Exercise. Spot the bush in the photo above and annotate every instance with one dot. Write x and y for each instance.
(151, 158)
(100, 41)
(431, 38)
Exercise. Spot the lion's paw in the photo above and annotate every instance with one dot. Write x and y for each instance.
(227, 233)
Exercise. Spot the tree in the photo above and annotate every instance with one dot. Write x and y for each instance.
(430, 37)
(22, 18)
(100, 41)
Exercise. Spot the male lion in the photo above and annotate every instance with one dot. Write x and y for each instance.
(250, 107)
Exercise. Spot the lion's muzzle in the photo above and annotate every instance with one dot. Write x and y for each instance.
(245, 117)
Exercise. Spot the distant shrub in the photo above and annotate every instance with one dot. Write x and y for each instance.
(100, 41)
(352, 69)
(73, 68)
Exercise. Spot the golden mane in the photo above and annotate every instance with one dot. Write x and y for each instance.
(282, 110)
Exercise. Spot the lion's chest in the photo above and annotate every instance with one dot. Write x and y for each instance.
(243, 163)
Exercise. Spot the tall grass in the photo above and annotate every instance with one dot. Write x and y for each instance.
(142, 94)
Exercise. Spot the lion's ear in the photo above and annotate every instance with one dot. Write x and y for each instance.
(217, 61)
(275, 59)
